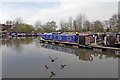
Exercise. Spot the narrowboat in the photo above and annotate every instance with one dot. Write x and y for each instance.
(47, 36)
(108, 40)
(70, 38)
(87, 39)
(67, 38)
(60, 37)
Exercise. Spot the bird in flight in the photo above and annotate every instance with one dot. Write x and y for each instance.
(52, 74)
(63, 66)
(46, 66)
(53, 60)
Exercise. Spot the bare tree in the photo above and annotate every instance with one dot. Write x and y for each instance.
(70, 22)
(80, 19)
(97, 26)
(86, 25)
(9, 22)
(79, 22)
(18, 20)
(75, 26)
(37, 24)
(106, 25)
(114, 23)
(49, 26)
(53, 26)
(63, 25)
(17, 23)
(118, 20)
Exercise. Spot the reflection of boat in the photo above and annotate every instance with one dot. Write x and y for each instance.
(63, 49)
(83, 54)
(86, 56)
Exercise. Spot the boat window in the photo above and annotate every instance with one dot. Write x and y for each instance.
(118, 38)
(50, 37)
(59, 38)
(68, 38)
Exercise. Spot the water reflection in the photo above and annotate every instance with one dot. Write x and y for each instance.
(17, 42)
(39, 60)
(83, 54)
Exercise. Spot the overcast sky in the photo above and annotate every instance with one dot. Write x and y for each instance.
(33, 10)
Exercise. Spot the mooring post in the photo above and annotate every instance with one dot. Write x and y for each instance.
(105, 42)
(95, 40)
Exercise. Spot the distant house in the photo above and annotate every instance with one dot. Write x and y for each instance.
(0, 30)
(5, 28)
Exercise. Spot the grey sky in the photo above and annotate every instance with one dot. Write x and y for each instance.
(57, 10)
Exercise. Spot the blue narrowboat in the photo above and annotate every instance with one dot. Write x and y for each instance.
(48, 36)
(14, 34)
(71, 38)
(67, 38)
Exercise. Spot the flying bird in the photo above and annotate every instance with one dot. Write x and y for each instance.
(46, 66)
(52, 60)
(63, 66)
(52, 74)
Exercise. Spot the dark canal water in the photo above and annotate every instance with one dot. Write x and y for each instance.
(26, 58)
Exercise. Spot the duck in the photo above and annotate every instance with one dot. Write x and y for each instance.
(53, 60)
(52, 74)
(63, 66)
(46, 66)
